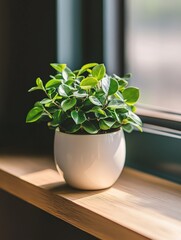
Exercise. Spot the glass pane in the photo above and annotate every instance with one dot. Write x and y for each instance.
(153, 51)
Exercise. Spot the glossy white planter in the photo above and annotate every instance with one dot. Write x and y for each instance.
(90, 162)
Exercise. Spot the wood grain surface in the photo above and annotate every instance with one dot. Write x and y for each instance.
(138, 206)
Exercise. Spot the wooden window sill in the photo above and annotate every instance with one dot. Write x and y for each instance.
(138, 206)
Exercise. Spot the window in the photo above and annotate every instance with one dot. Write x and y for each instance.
(142, 37)
(153, 47)
(153, 51)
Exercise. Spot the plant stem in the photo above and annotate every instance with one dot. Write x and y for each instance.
(50, 116)
(52, 100)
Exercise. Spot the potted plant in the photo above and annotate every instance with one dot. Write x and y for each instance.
(89, 111)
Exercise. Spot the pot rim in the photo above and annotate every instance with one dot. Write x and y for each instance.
(91, 135)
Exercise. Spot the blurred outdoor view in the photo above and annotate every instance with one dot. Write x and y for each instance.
(153, 51)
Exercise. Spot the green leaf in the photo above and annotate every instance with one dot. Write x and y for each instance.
(131, 95)
(38, 104)
(102, 125)
(58, 67)
(79, 79)
(109, 85)
(67, 73)
(87, 105)
(80, 94)
(120, 114)
(97, 109)
(34, 114)
(122, 84)
(127, 76)
(116, 104)
(61, 91)
(68, 104)
(69, 126)
(58, 76)
(99, 113)
(68, 89)
(136, 125)
(90, 115)
(88, 83)
(116, 125)
(53, 83)
(133, 108)
(45, 101)
(101, 96)
(65, 90)
(90, 127)
(117, 77)
(95, 101)
(117, 117)
(34, 89)
(85, 67)
(73, 128)
(39, 83)
(121, 81)
(119, 96)
(57, 97)
(99, 71)
(128, 128)
(39, 86)
(106, 124)
(78, 116)
(109, 122)
(109, 112)
(122, 110)
(56, 119)
(105, 84)
(135, 118)
(51, 92)
(113, 86)
(69, 82)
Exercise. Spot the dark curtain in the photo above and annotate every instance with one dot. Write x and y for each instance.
(27, 46)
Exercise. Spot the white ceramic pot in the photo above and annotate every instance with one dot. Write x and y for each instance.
(90, 162)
